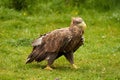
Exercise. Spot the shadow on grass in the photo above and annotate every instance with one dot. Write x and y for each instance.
(33, 65)
(65, 68)
(42, 66)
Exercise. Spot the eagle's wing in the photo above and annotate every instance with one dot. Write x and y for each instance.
(50, 43)
(55, 40)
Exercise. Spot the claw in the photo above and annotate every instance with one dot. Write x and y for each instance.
(48, 68)
(74, 66)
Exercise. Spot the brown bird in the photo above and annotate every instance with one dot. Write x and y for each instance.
(64, 41)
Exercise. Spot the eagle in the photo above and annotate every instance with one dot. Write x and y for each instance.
(64, 41)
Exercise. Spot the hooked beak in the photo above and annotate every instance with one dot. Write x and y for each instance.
(83, 25)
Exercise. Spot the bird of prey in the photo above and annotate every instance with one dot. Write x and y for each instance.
(64, 41)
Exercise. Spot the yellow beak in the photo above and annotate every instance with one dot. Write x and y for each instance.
(83, 25)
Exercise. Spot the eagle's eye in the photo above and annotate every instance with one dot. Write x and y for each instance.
(78, 22)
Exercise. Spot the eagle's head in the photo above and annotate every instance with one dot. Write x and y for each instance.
(77, 21)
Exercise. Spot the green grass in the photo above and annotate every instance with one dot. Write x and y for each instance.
(98, 59)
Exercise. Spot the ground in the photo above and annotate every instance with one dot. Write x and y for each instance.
(97, 59)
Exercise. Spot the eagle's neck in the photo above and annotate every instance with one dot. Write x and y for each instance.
(76, 30)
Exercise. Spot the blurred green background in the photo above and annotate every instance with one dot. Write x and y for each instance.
(22, 21)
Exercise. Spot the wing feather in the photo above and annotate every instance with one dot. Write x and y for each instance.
(49, 43)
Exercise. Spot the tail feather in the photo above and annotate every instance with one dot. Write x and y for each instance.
(37, 51)
(31, 57)
(28, 60)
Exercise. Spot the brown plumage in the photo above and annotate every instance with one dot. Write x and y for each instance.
(59, 42)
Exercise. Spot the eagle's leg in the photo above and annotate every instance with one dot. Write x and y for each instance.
(48, 67)
(69, 57)
(50, 60)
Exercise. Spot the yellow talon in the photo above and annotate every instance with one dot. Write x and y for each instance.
(74, 66)
(48, 68)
